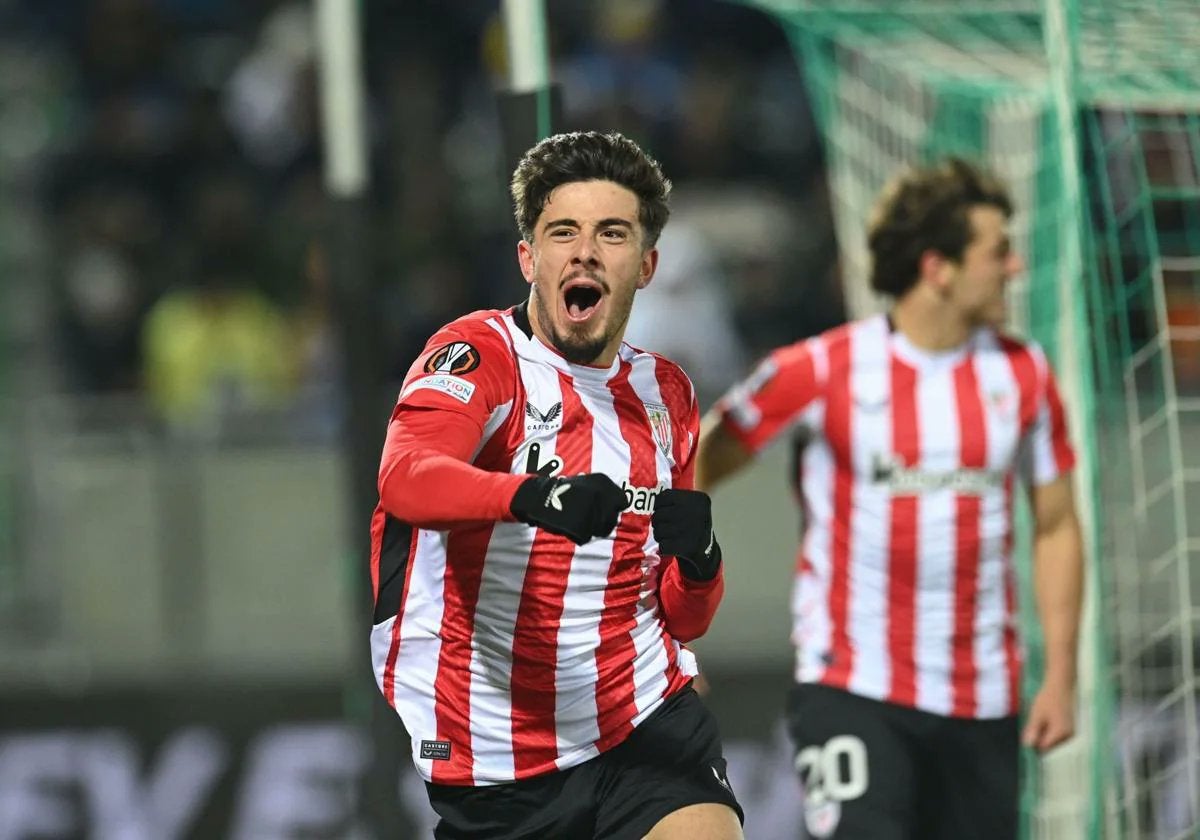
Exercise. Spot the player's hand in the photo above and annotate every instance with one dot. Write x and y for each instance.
(682, 523)
(580, 507)
(1051, 718)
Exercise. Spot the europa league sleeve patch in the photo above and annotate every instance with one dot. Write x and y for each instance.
(455, 359)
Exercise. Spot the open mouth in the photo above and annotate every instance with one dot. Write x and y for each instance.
(582, 298)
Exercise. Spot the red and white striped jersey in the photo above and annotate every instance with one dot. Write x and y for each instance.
(904, 584)
(512, 651)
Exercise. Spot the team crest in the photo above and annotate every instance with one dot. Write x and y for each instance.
(1002, 402)
(821, 818)
(660, 427)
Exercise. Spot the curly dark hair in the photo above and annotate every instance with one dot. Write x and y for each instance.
(590, 156)
(927, 209)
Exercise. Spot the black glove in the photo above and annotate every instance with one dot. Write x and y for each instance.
(682, 523)
(580, 507)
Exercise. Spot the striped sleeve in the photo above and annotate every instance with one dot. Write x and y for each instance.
(1047, 451)
(772, 399)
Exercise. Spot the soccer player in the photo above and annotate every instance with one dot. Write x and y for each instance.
(916, 428)
(539, 555)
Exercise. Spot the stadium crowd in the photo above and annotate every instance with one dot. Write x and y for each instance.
(172, 157)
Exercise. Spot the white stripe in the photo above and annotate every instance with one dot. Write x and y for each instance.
(938, 429)
(871, 425)
(420, 645)
(811, 628)
(811, 631)
(495, 420)
(501, 326)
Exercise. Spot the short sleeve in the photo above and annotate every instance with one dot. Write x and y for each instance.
(1046, 452)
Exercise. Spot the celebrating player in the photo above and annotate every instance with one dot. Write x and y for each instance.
(539, 555)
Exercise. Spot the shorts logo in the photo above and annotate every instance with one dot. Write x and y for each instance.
(822, 818)
(435, 750)
(660, 427)
(455, 386)
(719, 773)
(455, 358)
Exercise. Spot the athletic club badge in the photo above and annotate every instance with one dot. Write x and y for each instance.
(660, 427)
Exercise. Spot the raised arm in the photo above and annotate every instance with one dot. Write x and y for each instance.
(457, 395)
(426, 480)
(771, 400)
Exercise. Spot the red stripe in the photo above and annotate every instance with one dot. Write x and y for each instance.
(1025, 373)
(452, 686)
(1064, 456)
(902, 556)
(839, 434)
(378, 520)
(615, 707)
(1012, 655)
(535, 636)
(1024, 370)
(972, 425)
(803, 564)
(389, 670)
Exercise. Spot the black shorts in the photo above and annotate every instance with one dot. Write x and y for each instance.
(885, 772)
(672, 760)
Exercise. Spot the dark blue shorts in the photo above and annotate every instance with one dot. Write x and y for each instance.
(886, 772)
(672, 760)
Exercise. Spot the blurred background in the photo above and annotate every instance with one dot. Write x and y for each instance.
(200, 344)
(182, 636)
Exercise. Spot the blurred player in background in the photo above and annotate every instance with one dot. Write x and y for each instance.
(539, 555)
(915, 427)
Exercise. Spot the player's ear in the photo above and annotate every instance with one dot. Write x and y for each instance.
(649, 264)
(525, 259)
(936, 268)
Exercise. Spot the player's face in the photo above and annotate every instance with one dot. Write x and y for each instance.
(988, 263)
(585, 263)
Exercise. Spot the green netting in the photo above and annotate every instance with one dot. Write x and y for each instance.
(1088, 109)
(1145, 301)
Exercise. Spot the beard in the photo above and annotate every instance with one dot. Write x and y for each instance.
(582, 344)
(576, 347)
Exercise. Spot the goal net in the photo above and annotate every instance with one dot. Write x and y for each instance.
(1090, 111)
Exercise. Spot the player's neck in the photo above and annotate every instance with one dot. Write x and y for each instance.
(929, 326)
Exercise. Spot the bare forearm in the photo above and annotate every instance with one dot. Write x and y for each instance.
(718, 455)
(1058, 583)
